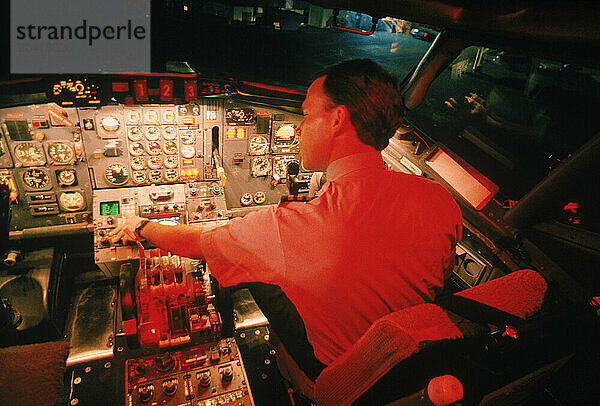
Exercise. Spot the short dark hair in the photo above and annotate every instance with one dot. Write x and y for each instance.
(372, 96)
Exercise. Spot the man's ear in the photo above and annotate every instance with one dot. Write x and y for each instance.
(340, 117)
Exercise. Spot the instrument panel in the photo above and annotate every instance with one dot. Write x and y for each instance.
(54, 156)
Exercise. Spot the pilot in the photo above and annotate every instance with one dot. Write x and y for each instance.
(372, 242)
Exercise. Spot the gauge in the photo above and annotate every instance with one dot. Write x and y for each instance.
(170, 148)
(71, 201)
(134, 133)
(138, 163)
(152, 133)
(188, 151)
(36, 178)
(110, 124)
(151, 116)
(155, 176)
(169, 132)
(134, 116)
(168, 116)
(246, 199)
(280, 165)
(66, 177)
(285, 137)
(61, 153)
(136, 149)
(153, 148)
(261, 166)
(259, 197)
(154, 162)
(116, 174)
(171, 161)
(138, 177)
(240, 116)
(259, 145)
(187, 137)
(30, 154)
(171, 175)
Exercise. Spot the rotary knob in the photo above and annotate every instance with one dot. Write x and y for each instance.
(145, 393)
(170, 387)
(204, 380)
(164, 362)
(227, 374)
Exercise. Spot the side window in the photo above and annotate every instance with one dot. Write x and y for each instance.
(514, 118)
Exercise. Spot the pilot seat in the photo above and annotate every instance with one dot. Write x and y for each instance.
(495, 343)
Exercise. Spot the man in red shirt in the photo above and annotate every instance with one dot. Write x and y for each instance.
(372, 242)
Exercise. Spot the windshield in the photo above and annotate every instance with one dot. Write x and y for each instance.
(283, 45)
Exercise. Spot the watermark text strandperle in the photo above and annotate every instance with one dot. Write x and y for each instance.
(81, 32)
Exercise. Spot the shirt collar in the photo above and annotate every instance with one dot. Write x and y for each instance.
(355, 162)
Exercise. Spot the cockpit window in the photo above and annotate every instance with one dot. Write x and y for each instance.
(514, 118)
(285, 45)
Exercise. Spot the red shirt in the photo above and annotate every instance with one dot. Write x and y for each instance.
(373, 242)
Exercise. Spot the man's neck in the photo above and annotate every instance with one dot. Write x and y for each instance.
(347, 144)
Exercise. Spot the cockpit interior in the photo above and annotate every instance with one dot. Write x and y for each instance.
(501, 98)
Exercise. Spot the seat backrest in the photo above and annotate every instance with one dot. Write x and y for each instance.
(404, 333)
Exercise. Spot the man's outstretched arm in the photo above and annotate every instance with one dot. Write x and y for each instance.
(179, 239)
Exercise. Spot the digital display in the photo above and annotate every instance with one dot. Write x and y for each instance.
(168, 221)
(109, 208)
(75, 92)
(470, 184)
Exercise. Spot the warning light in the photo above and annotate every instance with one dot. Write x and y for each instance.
(140, 90)
(241, 132)
(572, 207)
(231, 133)
(191, 91)
(166, 90)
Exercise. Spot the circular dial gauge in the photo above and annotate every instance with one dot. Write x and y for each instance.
(259, 197)
(71, 201)
(187, 137)
(170, 147)
(280, 166)
(261, 166)
(136, 149)
(36, 178)
(66, 177)
(110, 124)
(285, 136)
(154, 162)
(168, 116)
(134, 133)
(188, 151)
(155, 176)
(152, 133)
(169, 132)
(171, 175)
(134, 116)
(138, 177)
(138, 163)
(151, 116)
(153, 148)
(259, 145)
(171, 161)
(116, 174)
(30, 154)
(61, 153)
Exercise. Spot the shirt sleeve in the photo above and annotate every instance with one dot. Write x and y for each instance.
(246, 249)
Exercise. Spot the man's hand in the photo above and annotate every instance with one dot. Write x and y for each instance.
(125, 230)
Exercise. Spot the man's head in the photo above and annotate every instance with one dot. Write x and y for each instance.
(355, 96)
(372, 97)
